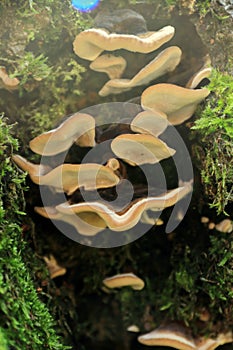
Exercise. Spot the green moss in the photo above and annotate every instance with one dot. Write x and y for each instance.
(214, 126)
(24, 319)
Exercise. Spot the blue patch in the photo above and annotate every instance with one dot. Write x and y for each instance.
(84, 5)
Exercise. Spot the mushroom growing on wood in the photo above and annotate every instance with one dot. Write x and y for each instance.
(149, 122)
(195, 80)
(108, 217)
(225, 226)
(165, 62)
(136, 149)
(79, 128)
(176, 102)
(172, 334)
(113, 66)
(124, 280)
(90, 43)
(6, 82)
(70, 177)
(86, 223)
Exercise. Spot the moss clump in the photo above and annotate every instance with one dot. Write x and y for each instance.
(24, 320)
(215, 132)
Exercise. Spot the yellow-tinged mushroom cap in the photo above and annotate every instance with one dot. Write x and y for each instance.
(137, 149)
(79, 128)
(149, 122)
(70, 177)
(173, 335)
(165, 62)
(114, 66)
(124, 280)
(108, 217)
(90, 43)
(176, 102)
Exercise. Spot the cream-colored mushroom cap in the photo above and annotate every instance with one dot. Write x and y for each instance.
(225, 226)
(136, 149)
(165, 62)
(79, 128)
(86, 223)
(149, 122)
(124, 280)
(34, 170)
(176, 102)
(195, 80)
(90, 43)
(70, 177)
(114, 66)
(176, 337)
(7, 82)
(108, 217)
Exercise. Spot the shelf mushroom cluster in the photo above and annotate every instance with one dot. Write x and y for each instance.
(161, 104)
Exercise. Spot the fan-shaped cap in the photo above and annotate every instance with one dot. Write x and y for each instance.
(90, 43)
(176, 102)
(195, 80)
(124, 280)
(165, 62)
(114, 66)
(70, 177)
(136, 149)
(86, 223)
(149, 122)
(108, 217)
(173, 335)
(79, 128)
(54, 269)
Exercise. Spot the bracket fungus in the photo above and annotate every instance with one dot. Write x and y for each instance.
(113, 66)
(107, 216)
(124, 280)
(137, 149)
(90, 43)
(79, 128)
(149, 122)
(177, 102)
(69, 177)
(165, 62)
(172, 334)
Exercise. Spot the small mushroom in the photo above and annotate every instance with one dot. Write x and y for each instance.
(90, 43)
(172, 335)
(133, 328)
(149, 122)
(54, 269)
(70, 177)
(136, 149)
(114, 66)
(6, 82)
(79, 128)
(225, 226)
(195, 80)
(176, 102)
(124, 280)
(165, 62)
(108, 217)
